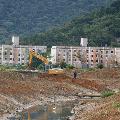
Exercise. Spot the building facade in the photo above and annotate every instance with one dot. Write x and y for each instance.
(85, 56)
(78, 56)
(10, 54)
(17, 54)
(67, 54)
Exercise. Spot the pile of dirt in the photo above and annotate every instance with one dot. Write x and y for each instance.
(100, 79)
(104, 109)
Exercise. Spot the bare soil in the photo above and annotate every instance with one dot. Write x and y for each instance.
(23, 88)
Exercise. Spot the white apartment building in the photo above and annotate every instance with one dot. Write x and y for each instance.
(10, 54)
(17, 54)
(65, 53)
(85, 56)
(74, 55)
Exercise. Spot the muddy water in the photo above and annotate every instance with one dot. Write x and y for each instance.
(59, 111)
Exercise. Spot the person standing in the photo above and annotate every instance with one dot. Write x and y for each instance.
(75, 74)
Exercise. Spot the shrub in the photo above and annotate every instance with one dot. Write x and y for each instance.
(100, 66)
(70, 66)
(107, 93)
(116, 105)
(63, 64)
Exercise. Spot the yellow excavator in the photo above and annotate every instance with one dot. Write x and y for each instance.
(53, 71)
(39, 57)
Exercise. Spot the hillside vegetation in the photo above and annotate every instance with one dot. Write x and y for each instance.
(102, 27)
(26, 17)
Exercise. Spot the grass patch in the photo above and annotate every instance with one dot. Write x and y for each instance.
(116, 105)
(107, 93)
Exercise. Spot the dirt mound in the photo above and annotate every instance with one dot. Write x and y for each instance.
(105, 109)
(113, 73)
(90, 84)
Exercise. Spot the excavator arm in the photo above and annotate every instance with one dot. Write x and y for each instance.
(40, 57)
(53, 71)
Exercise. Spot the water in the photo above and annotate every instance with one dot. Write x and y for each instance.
(59, 111)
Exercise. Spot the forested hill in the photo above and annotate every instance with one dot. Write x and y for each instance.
(102, 27)
(25, 17)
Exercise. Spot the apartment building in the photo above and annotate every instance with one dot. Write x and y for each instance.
(17, 54)
(100, 55)
(67, 54)
(10, 54)
(78, 56)
(85, 56)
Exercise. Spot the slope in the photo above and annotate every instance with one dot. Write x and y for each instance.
(31, 16)
(102, 27)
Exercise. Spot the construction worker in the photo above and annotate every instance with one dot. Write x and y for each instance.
(75, 74)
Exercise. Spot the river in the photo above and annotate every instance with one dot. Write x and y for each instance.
(58, 111)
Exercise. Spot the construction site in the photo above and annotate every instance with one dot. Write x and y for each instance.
(22, 91)
(59, 94)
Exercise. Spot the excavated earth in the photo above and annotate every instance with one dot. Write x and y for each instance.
(23, 88)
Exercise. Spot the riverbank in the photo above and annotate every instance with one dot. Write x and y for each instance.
(28, 107)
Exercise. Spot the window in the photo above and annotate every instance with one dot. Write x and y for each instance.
(10, 58)
(5, 53)
(96, 60)
(91, 55)
(106, 52)
(10, 53)
(111, 51)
